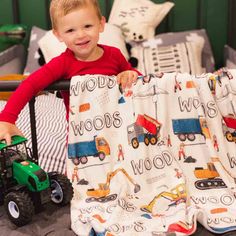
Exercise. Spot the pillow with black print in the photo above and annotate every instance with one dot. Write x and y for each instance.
(196, 36)
(180, 57)
(138, 19)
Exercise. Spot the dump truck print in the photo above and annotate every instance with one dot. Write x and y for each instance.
(98, 147)
(187, 128)
(146, 129)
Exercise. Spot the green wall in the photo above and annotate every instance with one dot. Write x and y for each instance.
(186, 14)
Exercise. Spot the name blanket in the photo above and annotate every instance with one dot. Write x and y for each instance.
(153, 159)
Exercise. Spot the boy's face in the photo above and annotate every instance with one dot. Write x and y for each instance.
(79, 30)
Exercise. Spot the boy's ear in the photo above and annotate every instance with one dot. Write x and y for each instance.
(102, 22)
(57, 35)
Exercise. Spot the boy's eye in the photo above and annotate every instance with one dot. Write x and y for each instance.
(69, 30)
(88, 26)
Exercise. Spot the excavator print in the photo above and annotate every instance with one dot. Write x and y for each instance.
(209, 178)
(176, 196)
(102, 194)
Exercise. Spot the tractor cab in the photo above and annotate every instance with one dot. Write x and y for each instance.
(15, 149)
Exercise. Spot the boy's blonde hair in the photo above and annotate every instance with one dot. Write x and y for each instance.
(60, 8)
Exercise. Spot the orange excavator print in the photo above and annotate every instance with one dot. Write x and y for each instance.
(102, 194)
(208, 178)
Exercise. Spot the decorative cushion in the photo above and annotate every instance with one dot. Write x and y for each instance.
(138, 18)
(180, 57)
(197, 36)
(35, 58)
(6, 95)
(111, 36)
(230, 57)
(50, 46)
(191, 36)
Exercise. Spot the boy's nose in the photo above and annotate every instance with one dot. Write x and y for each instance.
(80, 34)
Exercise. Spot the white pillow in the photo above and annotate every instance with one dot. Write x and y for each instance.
(112, 36)
(51, 46)
(180, 57)
(138, 18)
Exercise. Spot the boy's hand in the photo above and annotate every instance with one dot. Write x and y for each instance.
(7, 130)
(127, 78)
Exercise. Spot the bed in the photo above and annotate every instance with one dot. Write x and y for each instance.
(191, 38)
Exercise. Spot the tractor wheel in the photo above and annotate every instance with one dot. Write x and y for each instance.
(19, 207)
(135, 143)
(61, 188)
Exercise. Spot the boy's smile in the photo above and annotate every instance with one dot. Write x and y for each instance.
(83, 43)
(79, 30)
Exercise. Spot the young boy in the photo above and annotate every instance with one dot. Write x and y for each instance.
(77, 23)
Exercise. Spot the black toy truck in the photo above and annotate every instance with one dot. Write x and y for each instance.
(24, 186)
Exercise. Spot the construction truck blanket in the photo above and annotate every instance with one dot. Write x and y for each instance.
(155, 158)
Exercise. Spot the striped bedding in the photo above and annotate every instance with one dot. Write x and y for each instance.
(51, 131)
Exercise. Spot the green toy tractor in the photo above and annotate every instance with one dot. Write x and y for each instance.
(24, 186)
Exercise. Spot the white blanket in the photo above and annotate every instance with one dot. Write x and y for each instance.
(157, 158)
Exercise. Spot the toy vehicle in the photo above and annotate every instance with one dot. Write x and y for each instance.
(146, 129)
(24, 186)
(96, 147)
